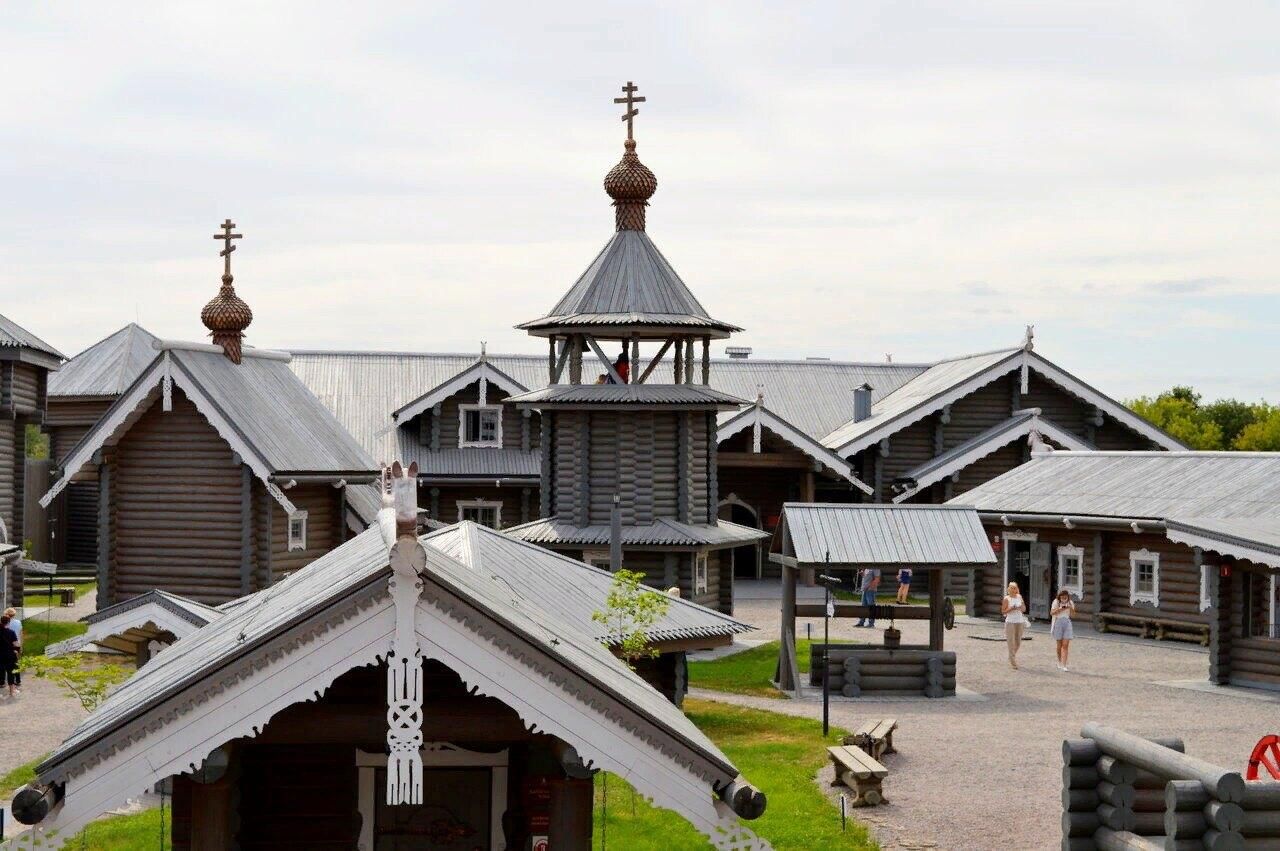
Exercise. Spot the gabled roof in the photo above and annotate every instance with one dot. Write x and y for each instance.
(872, 534)
(1255, 539)
(1141, 485)
(139, 619)
(258, 406)
(568, 589)
(657, 395)
(1020, 425)
(757, 418)
(951, 380)
(661, 533)
(629, 283)
(108, 367)
(482, 371)
(14, 336)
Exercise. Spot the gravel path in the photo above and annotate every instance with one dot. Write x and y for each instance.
(986, 773)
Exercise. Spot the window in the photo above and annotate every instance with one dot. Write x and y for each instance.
(298, 531)
(1144, 578)
(597, 558)
(1206, 578)
(1071, 570)
(700, 573)
(478, 511)
(480, 425)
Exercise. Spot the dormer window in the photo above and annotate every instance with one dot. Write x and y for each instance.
(298, 531)
(480, 425)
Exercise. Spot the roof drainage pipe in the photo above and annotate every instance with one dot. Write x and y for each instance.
(1137, 524)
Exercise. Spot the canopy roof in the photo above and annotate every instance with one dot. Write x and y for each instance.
(877, 535)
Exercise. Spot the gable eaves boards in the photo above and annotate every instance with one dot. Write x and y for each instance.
(131, 405)
(758, 417)
(1011, 364)
(481, 371)
(1045, 427)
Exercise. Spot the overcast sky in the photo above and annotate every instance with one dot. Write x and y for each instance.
(843, 180)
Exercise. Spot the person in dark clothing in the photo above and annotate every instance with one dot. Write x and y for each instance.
(8, 656)
(622, 366)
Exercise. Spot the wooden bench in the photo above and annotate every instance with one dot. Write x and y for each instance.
(1149, 626)
(875, 737)
(859, 771)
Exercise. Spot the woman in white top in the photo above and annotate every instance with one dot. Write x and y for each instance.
(1063, 608)
(1015, 621)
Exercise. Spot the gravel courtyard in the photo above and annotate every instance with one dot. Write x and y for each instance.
(984, 771)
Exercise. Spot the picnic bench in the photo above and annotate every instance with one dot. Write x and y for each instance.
(1148, 626)
(874, 736)
(859, 771)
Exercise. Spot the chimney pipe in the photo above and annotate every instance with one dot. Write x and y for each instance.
(862, 403)
(738, 352)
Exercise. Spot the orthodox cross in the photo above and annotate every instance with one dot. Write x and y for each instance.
(226, 236)
(630, 100)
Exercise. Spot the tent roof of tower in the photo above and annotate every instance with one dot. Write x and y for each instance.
(629, 288)
(14, 337)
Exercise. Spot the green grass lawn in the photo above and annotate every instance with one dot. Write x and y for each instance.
(749, 672)
(38, 633)
(124, 833)
(37, 596)
(778, 753)
(19, 777)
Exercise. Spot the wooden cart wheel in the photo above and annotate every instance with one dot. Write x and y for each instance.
(1266, 753)
(948, 614)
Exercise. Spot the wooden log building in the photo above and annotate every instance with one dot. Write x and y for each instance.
(1167, 545)
(25, 364)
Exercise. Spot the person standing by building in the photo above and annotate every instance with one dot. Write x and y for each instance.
(8, 656)
(1015, 621)
(904, 585)
(870, 582)
(16, 626)
(1063, 608)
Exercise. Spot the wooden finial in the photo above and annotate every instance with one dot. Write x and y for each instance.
(630, 100)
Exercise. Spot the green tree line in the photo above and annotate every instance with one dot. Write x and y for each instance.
(1224, 424)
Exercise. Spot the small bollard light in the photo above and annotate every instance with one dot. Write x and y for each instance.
(844, 811)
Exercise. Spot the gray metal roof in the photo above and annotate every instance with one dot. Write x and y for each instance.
(661, 533)
(1154, 485)
(108, 367)
(13, 334)
(868, 534)
(629, 283)
(189, 610)
(471, 462)
(275, 413)
(1011, 427)
(1254, 538)
(364, 388)
(331, 581)
(628, 394)
(568, 589)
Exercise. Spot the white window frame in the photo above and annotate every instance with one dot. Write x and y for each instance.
(1071, 551)
(463, 443)
(435, 755)
(1006, 537)
(700, 574)
(1206, 595)
(1144, 555)
(597, 558)
(496, 505)
(297, 541)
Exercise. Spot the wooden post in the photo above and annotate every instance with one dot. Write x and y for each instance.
(677, 360)
(435, 428)
(635, 358)
(584, 470)
(246, 530)
(1221, 603)
(808, 487)
(213, 810)
(104, 536)
(551, 359)
(525, 436)
(544, 481)
(937, 592)
(706, 361)
(669, 571)
(788, 636)
(575, 359)
(1099, 576)
(688, 361)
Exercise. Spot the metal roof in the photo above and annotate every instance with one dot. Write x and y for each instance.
(332, 580)
(13, 334)
(364, 388)
(661, 533)
(1256, 539)
(470, 462)
(481, 369)
(629, 283)
(189, 610)
(758, 418)
(568, 589)
(628, 394)
(108, 367)
(1154, 485)
(868, 534)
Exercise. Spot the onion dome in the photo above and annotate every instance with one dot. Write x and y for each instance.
(630, 184)
(227, 316)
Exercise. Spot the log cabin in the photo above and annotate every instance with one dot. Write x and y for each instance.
(220, 471)
(1170, 545)
(25, 364)
(387, 693)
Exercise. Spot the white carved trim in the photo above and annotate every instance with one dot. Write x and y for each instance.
(1006, 537)
(700, 570)
(758, 416)
(1144, 555)
(1206, 593)
(465, 409)
(496, 505)
(150, 616)
(298, 541)
(1071, 551)
(478, 370)
(166, 383)
(404, 676)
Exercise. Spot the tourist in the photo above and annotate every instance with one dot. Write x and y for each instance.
(622, 366)
(1015, 621)
(870, 582)
(16, 626)
(904, 584)
(1063, 608)
(8, 656)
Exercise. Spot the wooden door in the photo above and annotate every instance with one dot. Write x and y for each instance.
(1041, 580)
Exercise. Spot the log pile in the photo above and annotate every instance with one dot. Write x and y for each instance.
(1120, 791)
(857, 671)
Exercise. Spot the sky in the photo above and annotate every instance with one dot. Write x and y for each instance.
(848, 180)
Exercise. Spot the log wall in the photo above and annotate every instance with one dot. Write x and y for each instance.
(322, 502)
(450, 420)
(445, 498)
(27, 388)
(11, 457)
(985, 407)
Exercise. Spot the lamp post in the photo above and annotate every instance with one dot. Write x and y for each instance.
(828, 583)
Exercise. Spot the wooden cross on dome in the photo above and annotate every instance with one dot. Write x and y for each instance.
(630, 100)
(226, 236)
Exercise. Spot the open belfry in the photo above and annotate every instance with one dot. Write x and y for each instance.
(634, 434)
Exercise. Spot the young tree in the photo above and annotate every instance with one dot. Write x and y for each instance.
(630, 611)
(88, 683)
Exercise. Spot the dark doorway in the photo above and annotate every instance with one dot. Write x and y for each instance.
(1018, 561)
(746, 559)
